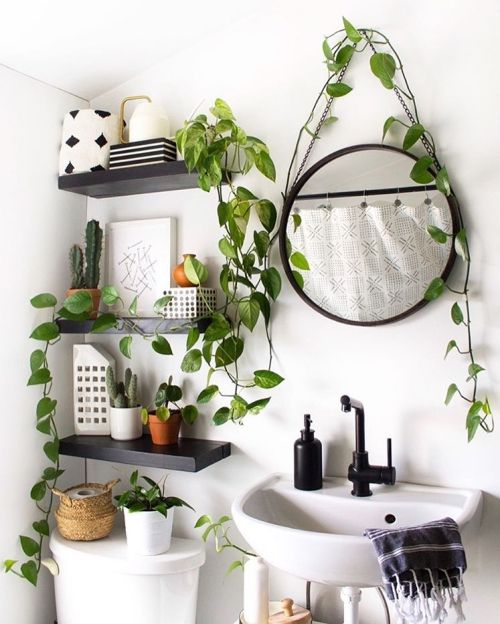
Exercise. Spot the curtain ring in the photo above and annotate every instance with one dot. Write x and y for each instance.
(428, 200)
(363, 203)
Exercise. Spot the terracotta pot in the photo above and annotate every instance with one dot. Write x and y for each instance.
(95, 294)
(164, 433)
(179, 274)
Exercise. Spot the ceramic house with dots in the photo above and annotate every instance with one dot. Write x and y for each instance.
(90, 395)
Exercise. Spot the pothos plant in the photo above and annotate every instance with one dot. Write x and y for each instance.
(219, 149)
(386, 65)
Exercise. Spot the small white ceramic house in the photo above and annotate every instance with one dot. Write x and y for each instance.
(90, 395)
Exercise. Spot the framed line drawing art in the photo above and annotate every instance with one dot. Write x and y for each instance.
(140, 256)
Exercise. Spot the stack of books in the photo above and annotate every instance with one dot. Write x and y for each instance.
(147, 152)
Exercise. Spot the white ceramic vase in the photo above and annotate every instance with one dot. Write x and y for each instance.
(148, 532)
(125, 423)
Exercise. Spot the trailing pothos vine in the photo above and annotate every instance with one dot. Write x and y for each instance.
(218, 149)
(385, 63)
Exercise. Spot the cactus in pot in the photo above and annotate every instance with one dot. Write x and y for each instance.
(125, 419)
(85, 273)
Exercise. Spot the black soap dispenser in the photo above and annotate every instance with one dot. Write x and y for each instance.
(308, 462)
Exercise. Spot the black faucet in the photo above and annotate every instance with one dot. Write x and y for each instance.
(360, 472)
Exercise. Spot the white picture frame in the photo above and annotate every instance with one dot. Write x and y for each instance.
(140, 256)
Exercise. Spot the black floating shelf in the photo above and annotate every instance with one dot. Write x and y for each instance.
(144, 325)
(189, 454)
(169, 176)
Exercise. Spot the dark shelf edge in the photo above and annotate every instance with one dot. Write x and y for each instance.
(146, 325)
(190, 455)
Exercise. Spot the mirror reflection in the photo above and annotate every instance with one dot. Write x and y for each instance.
(360, 223)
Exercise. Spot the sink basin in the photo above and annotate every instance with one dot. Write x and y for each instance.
(318, 536)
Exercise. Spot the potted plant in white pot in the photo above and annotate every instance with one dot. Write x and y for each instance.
(148, 516)
(125, 412)
(164, 421)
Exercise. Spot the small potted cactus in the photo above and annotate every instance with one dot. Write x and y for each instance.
(165, 421)
(124, 413)
(85, 272)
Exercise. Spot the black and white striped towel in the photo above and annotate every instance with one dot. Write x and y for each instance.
(422, 568)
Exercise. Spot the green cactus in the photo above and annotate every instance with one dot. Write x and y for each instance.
(122, 394)
(76, 267)
(93, 248)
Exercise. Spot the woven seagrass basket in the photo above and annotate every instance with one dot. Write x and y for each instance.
(86, 511)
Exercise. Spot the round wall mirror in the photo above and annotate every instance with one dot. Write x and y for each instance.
(353, 235)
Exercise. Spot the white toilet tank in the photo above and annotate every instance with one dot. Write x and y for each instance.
(100, 582)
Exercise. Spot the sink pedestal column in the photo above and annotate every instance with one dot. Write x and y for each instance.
(351, 597)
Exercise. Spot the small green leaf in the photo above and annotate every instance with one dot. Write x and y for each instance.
(420, 172)
(451, 345)
(218, 328)
(262, 241)
(221, 416)
(257, 406)
(244, 193)
(192, 337)
(266, 211)
(297, 221)
(43, 426)
(51, 450)
(207, 394)
(383, 66)
(40, 377)
(51, 473)
(351, 32)
(413, 134)
(249, 310)
(223, 211)
(191, 361)
(300, 261)
(229, 350)
(329, 121)
(43, 300)
(30, 572)
(443, 182)
(144, 416)
(66, 314)
(45, 406)
(388, 125)
(233, 566)
(163, 413)
(457, 315)
(473, 419)
(327, 51)
(160, 304)
(110, 295)
(265, 165)
(298, 279)
(267, 379)
(125, 346)
(196, 272)
(338, 89)
(29, 546)
(461, 245)
(344, 55)
(189, 414)
(132, 309)
(435, 289)
(450, 393)
(437, 234)
(38, 491)
(474, 370)
(104, 322)
(8, 564)
(37, 359)
(41, 527)
(263, 302)
(161, 345)
(45, 332)
(207, 351)
(221, 110)
(227, 248)
(202, 520)
(272, 282)
(78, 302)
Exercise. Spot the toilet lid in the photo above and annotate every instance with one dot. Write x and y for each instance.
(111, 554)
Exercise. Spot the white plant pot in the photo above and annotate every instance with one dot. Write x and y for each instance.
(125, 423)
(148, 532)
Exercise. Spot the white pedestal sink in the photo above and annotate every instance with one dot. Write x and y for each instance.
(318, 536)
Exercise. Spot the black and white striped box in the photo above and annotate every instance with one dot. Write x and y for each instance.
(147, 152)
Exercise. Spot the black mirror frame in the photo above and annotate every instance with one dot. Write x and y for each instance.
(288, 205)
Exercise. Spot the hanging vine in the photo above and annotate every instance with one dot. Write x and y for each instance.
(338, 49)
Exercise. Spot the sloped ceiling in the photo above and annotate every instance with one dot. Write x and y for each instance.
(87, 47)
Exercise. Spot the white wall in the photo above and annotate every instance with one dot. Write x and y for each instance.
(269, 68)
(39, 223)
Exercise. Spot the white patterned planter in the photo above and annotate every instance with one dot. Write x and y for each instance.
(188, 303)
